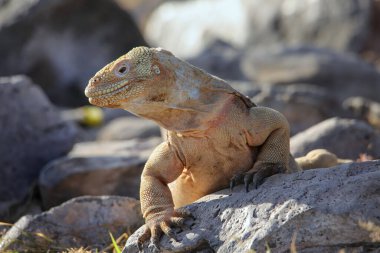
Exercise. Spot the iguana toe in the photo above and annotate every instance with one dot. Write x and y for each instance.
(236, 180)
(156, 236)
(264, 172)
(143, 238)
(247, 180)
(168, 231)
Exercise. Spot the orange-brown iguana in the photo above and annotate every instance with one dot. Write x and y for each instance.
(216, 137)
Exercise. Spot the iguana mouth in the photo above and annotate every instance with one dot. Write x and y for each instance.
(105, 91)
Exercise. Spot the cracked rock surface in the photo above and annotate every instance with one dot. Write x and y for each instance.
(322, 210)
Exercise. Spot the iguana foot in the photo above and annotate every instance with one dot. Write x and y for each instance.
(256, 175)
(162, 223)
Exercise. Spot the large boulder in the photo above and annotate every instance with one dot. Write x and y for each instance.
(336, 24)
(96, 168)
(82, 222)
(347, 138)
(60, 44)
(339, 24)
(323, 210)
(32, 134)
(343, 75)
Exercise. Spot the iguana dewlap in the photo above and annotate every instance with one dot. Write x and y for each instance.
(215, 134)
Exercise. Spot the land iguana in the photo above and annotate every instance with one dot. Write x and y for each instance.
(216, 137)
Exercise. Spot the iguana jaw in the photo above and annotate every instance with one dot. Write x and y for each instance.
(106, 90)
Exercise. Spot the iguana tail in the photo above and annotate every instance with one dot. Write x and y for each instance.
(319, 158)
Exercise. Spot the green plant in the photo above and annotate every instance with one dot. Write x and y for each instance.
(116, 247)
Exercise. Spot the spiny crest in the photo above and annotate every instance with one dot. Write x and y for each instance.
(142, 59)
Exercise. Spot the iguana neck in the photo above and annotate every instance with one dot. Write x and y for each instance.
(192, 103)
(187, 121)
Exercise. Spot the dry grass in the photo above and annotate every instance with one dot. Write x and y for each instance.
(39, 242)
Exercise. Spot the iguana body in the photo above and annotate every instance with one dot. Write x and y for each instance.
(216, 136)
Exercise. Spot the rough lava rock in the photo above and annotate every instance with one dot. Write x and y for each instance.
(80, 222)
(96, 168)
(127, 128)
(343, 75)
(60, 44)
(347, 138)
(322, 210)
(32, 134)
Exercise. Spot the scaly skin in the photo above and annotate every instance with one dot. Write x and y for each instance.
(216, 136)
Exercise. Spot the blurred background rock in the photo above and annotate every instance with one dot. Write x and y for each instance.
(315, 61)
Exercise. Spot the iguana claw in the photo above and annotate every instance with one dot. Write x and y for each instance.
(163, 225)
(255, 177)
(236, 180)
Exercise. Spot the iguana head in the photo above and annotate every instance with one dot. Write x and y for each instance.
(129, 77)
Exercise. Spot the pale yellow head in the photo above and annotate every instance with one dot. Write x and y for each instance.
(124, 79)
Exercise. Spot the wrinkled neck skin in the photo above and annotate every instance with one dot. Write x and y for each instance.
(195, 101)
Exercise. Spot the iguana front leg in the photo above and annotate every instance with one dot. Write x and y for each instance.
(267, 130)
(162, 168)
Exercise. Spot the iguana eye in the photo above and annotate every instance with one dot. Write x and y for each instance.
(122, 69)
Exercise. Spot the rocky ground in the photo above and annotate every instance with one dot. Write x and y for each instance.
(70, 175)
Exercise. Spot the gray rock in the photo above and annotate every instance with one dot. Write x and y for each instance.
(336, 24)
(304, 105)
(127, 128)
(60, 44)
(106, 168)
(222, 60)
(32, 134)
(81, 222)
(322, 210)
(342, 74)
(347, 138)
(339, 24)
